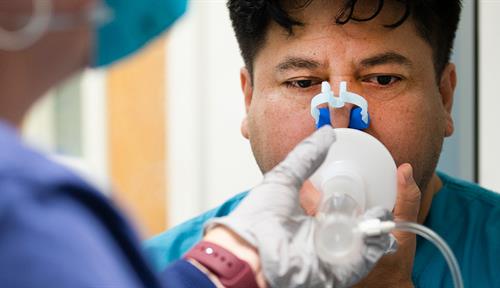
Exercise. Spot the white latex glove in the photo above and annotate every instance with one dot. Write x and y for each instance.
(271, 219)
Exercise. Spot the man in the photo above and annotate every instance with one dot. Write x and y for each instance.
(396, 55)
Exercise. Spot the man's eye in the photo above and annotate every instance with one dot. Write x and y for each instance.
(302, 84)
(383, 80)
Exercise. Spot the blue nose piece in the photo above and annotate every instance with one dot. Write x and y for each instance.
(324, 117)
(355, 121)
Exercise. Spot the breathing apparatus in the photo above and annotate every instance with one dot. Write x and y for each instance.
(358, 173)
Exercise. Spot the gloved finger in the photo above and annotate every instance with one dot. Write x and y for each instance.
(303, 160)
(385, 242)
(375, 248)
(279, 191)
(377, 213)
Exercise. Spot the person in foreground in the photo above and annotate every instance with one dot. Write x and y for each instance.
(396, 55)
(58, 231)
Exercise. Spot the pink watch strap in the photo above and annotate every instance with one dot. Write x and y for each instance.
(231, 271)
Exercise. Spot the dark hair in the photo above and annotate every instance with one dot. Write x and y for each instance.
(436, 21)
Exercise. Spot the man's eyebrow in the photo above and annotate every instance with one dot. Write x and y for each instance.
(386, 58)
(297, 63)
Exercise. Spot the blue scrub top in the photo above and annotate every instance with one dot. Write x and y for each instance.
(58, 231)
(464, 214)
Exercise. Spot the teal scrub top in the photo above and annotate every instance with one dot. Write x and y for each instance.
(464, 214)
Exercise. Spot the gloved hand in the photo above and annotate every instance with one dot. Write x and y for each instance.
(271, 219)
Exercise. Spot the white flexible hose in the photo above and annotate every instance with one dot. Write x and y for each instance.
(440, 244)
(372, 227)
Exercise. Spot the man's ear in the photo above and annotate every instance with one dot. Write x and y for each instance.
(447, 86)
(247, 88)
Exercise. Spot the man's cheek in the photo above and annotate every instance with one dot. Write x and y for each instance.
(285, 140)
(294, 133)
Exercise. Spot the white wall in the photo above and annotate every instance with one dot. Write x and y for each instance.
(209, 160)
(489, 106)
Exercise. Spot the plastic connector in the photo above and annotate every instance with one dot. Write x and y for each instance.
(374, 227)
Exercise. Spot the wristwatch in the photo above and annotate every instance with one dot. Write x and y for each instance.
(231, 271)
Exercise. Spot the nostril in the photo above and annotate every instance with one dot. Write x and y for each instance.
(340, 117)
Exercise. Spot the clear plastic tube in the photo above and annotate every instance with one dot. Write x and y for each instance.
(441, 245)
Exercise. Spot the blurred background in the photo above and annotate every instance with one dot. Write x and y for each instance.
(160, 132)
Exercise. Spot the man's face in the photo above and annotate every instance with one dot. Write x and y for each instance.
(392, 69)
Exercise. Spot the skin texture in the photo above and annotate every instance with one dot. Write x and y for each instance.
(411, 113)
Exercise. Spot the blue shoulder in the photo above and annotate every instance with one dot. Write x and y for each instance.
(472, 191)
(465, 215)
(170, 245)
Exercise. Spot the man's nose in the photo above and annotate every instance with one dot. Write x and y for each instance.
(340, 117)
